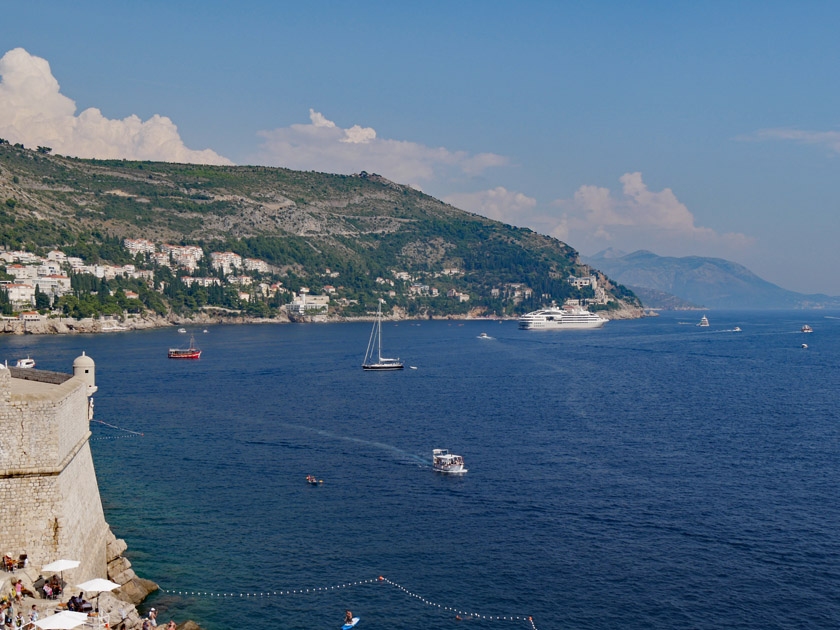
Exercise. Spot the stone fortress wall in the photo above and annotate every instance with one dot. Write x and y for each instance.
(50, 507)
(48, 485)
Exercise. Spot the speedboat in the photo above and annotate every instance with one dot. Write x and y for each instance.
(484, 336)
(554, 318)
(25, 363)
(704, 322)
(806, 329)
(446, 462)
(736, 329)
(313, 481)
(182, 330)
(804, 345)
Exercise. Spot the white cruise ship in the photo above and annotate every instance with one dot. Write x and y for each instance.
(554, 318)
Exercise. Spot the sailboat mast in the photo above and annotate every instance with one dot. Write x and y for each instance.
(379, 330)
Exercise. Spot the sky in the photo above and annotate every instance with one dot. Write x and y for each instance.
(708, 129)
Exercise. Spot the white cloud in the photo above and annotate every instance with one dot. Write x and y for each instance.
(829, 139)
(497, 203)
(34, 112)
(324, 146)
(638, 218)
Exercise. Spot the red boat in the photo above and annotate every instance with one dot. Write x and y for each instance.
(185, 353)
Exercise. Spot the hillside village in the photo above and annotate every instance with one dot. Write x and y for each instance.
(37, 287)
(86, 239)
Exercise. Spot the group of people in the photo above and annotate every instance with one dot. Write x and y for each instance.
(52, 588)
(151, 621)
(77, 603)
(10, 619)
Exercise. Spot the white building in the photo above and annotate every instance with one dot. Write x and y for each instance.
(22, 273)
(587, 281)
(139, 246)
(304, 303)
(202, 282)
(255, 264)
(161, 259)
(20, 294)
(54, 284)
(226, 261)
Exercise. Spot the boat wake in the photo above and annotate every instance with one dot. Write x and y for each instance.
(346, 438)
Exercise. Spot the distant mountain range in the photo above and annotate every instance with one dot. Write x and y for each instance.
(674, 283)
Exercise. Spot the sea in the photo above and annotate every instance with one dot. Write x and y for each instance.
(650, 474)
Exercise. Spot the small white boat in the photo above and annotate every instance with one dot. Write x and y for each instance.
(804, 345)
(807, 329)
(445, 462)
(25, 363)
(704, 322)
(484, 336)
(736, 329)
(182, 330)
(205, 330)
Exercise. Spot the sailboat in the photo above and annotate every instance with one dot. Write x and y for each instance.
(185, 353)
(373, 356)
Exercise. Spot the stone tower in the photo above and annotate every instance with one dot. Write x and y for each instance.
(49, 499)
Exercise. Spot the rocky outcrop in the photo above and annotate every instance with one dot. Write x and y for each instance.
(132, 589)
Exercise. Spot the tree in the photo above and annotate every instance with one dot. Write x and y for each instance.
(42, 300)
(44, 150)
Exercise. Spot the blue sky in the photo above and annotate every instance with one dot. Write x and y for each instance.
(683, 128)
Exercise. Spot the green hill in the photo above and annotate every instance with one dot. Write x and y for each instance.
(360, 227)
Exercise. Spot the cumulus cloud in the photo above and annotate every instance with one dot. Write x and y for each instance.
(638, 218)
(828, 139)
(322, 145)
(34, 112)
(497, 203)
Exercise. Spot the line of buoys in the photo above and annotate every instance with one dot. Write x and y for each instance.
(113, 426)
(267, 593)
(454, 609)
(115, 437)
(458, 611)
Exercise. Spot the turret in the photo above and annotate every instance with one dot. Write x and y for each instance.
(85, 369)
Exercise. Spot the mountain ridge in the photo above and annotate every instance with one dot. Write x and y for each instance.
(705, 281)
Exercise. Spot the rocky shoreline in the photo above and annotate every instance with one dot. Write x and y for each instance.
(69, 326)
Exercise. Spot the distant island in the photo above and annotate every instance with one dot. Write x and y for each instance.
(153, 241)
(695, 281)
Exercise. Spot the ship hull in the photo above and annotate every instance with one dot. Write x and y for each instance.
(561, 325)
(184, 354)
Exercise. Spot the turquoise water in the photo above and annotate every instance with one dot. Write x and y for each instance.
(645, 475)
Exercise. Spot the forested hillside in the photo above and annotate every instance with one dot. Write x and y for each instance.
(361, 235)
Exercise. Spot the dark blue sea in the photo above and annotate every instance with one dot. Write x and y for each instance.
(651, 474)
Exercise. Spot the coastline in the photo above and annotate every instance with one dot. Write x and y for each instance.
(70, 326)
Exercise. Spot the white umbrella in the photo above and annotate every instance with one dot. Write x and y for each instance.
(60, 565)
(65, 620)
(98, 585)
